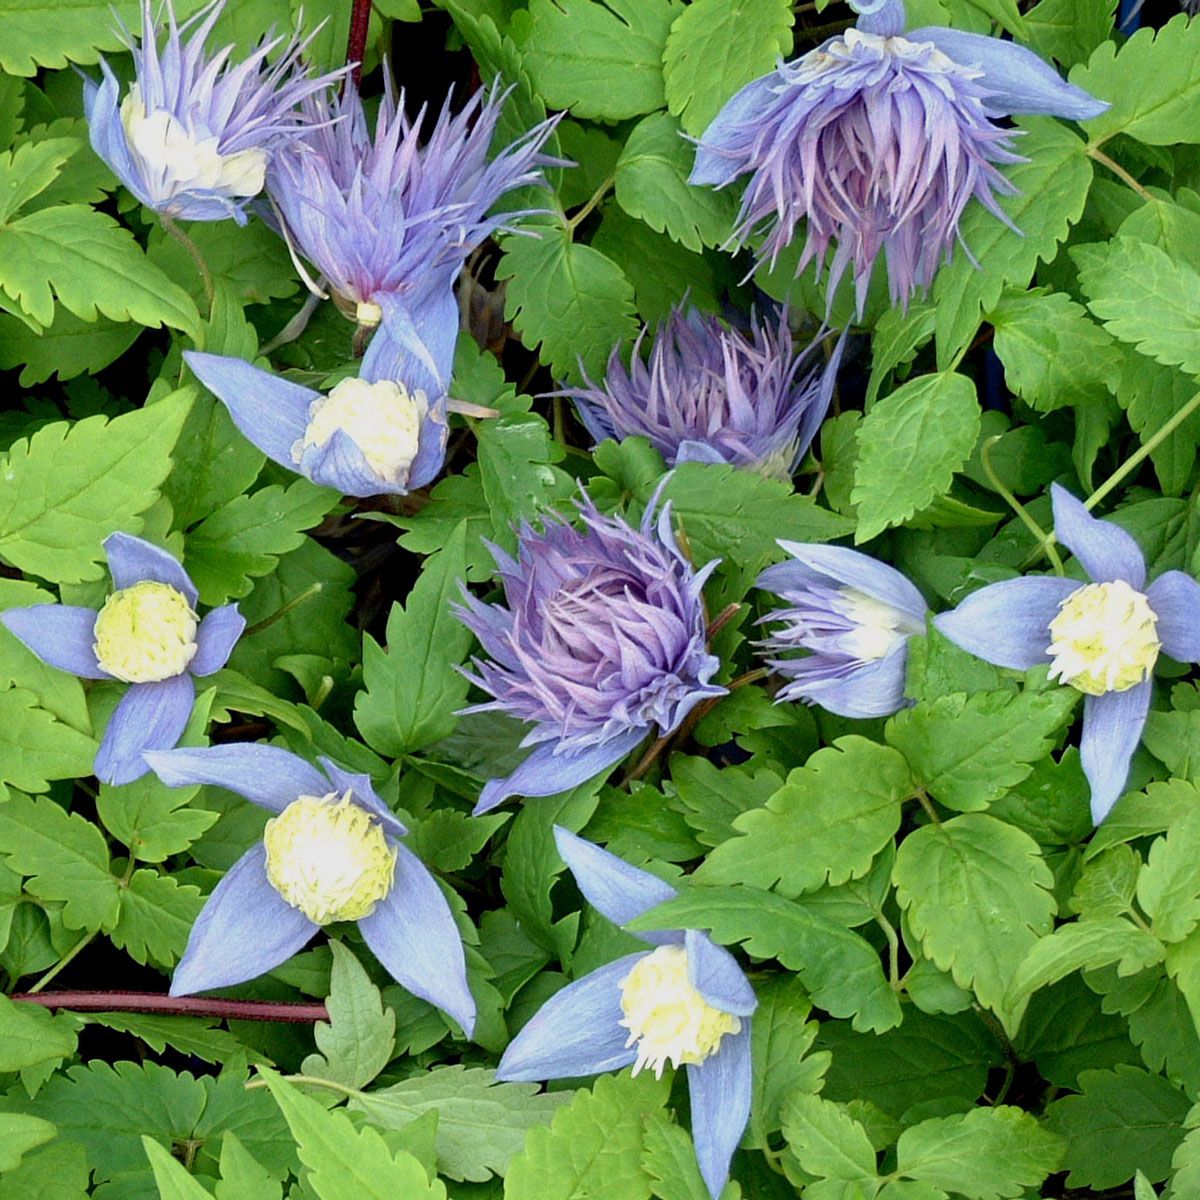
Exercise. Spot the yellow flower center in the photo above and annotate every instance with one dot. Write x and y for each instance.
(667, 1018)
(879, 626)
(145, 633)
(1103, 639)
(329, 858)
(382, 419)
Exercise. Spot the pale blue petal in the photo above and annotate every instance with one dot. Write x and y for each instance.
(690, 450)
(107, 133)
(216, 638)
(133, 560)
(150, 716)
(244, 930)
(611, 886)
(431, 448)
(1017, 79)
(715, 974)
(60, 635)
(576, 1032)
(841, 566)
(545, 773)
(340, 464)
(1008, 623)
(720, 1089)
(1105, 550)
(1112, 728)
(415, 341)
(712, 166)
(1175, 600)
(266, 775)
(883, 17)
(364, 793)
(873, 689)
(413, 934)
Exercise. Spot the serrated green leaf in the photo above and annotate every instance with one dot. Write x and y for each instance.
(198, 1036)
(1152, 395)
(35, 748)
(828, 1142)
(1168, 888)
(669, 1159)
(1069, 30)
(825, 825)
(1106, 884)
(30, 1035)
(66, 348)
(909, 446)
(18, 1135)
(28, 170)
(242, 1176)
(153, 820)
(157, 915)
(449, 840)
(170, 1176)
(714, 797)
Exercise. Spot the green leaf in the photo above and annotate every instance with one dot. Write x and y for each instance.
(30, 1035)
(34, 35)
(412, 689)
(593, 1147)
(1052, 189)
(986, 1154)
(825, 825)
(967, 752)
(157, 915)
(565, 298)
(1168, 888)
(70, 485)
(652, 183)
(828, 1142)
(198, 1036)
(1152, 395)
(345, 1163)
(481, 1124)
(153, 820)
(242, 1176)
(358, 1040)
(714, 797)
(976, 892)
(909, 446)
(66, 348)
(715, 47)
(597, 59)
(448, 840)
(669, 1159)
(1152, 83)
(18, 1135)
(1122, 1120)
(35, 748)
(28, 170)
(1069, 30)
(65, 857)
(91, 265)
(840, 969)
(171, 1176)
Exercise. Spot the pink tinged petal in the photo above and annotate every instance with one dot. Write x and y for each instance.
(270, 412)
(1112, 728)
(576, 1032)
(1008, 623)
(265, 775)
(216, 638)
(150, 716)
(611, 886)
(413, 934)
(715, 974)
(1105, 550)
(245, 930)
(59, 634)
(1175, 600)
(719, 1088)
(364, 794)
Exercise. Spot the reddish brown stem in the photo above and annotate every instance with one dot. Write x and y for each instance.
(177, 1006)
(356, 47)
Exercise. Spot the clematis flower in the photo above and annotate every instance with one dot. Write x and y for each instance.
(195, 133)
(369, 436)
(602, 639)
(712, 394)
(389, 222)
(1101, 638)
(331, 852)
(879, 139)
(148, 635)
(854, 616)
(686, 1002)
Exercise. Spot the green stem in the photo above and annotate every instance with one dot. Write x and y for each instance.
(66, 960)
(281, 612)
(168, 223)
(893, 941)
(1044, 540)
(1119, 171)
(574, 222)
(312, 1080)
(931, 812)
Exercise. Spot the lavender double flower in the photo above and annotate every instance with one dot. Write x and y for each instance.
(686, 1002)
(331, 852)
(879, 139)
(195, 134)
(853, 615)
(1102, 637)
(148, 635)
(602, 639)
(712, 394)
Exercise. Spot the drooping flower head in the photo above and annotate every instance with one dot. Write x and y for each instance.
(368, 436)
(713, 394)
(602, 638)
(331, 852)
(195, 133)
(146, 634)
(684, 1003)
(879, 139)
(853, 616)
(388, 221)
(1101, 638)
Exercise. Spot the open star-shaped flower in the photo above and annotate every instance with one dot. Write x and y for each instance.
(331, 852)
(1102, 637)
(685, 1002)
(148, 635)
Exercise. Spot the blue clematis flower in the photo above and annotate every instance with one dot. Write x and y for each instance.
(1102, 637)
(146, 634)
(195, 134)
(370, 435)
(332, 852)
(879, 139)
(853, 615)
(686, 1002)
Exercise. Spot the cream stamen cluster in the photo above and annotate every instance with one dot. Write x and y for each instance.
(145, 633)
(1104, 638)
